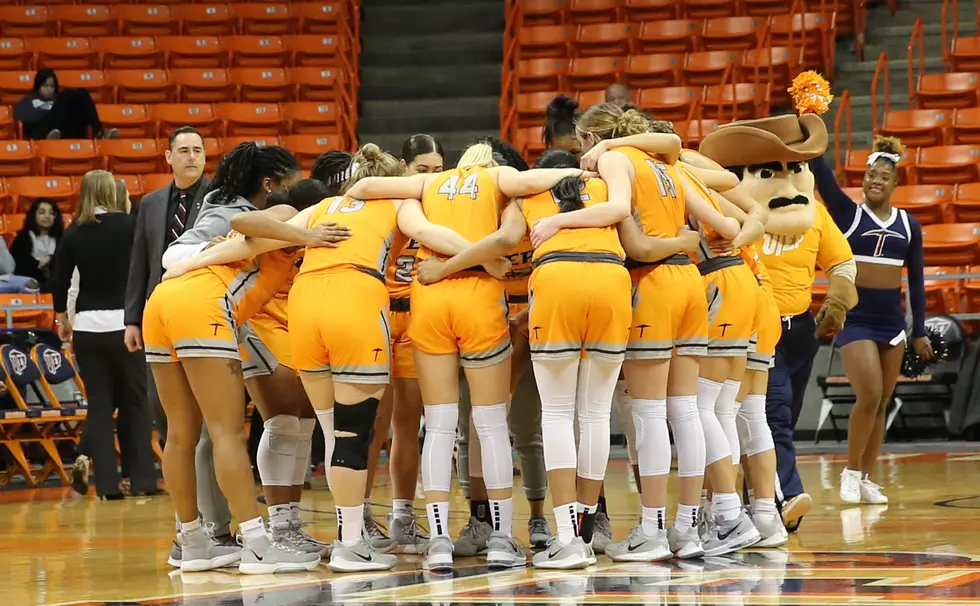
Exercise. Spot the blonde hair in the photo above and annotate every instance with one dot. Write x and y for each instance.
(372, 161)
(478, 154)
(609, 121)
(662, 126)
(98, 190)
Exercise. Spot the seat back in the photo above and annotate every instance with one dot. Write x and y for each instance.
(129, 52)
(22, 375)
(203, 85)
(17, 159)
(58, 378)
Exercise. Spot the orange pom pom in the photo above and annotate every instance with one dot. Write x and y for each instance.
(811, 93)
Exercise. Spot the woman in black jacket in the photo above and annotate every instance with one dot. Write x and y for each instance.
(50, 113)
(34, 246)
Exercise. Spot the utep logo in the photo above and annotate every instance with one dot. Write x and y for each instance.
(774, 246)
(18, 362)
(52, 361)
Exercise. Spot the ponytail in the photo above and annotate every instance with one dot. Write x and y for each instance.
(568, 192)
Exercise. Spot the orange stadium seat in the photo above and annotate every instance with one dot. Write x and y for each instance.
(156, 181)
(132, 120)
(731, 33)
(778, 65)
(738, 102)
(673, 36)
(652, 71)
(6, 202)
(68, 157)
(199, 115)
(948, 164)
(307, 148)
(952, 244)
(8, 126)
(637, 11)
(316, 50)
(229, 143)
(917, 127)
(545, 41)
(543, 12)
(764, 8)
(965, 54)
(966, 126)
(145, 20)
(17, 159)
(263, 19)
(132, 156)
(203, 85)
(25, 190)
(530, 141)
(313, 118)
(85, 20)
(92, 80)
(927, 203)
(809, 31)
(593, 11)
(856, 194)
(212, 153)
(27, 21)
(143, 86)
(708, 67)
(205, 19)
(856, 164)
(129, 52)
(709, 9)
(534, 75)
(693, 132)
(603, 39)
(14, 85)
(948, 91)
(258, 51)
(14, 54)
(588, 98)
(195, 51)
(672, 102)
(252, 119)
(593, 73)
(532, 107)
(965, 207)
(320, 17)
(63, 53)
(133, 186)
(263, 85)
(320, 84)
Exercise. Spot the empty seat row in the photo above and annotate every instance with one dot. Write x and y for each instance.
(548, 12)
(964, 54)
(932, 204)
(955, 90)
(946, 164)
(932, 127)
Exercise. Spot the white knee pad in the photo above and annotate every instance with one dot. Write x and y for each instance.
(725, 411)
(276, 457)
(652, 438)
(494, 437)
(682, 412)
(437, 451)
(594, 397)
(753, 428)
(304, 442)
(621, 400)
(715, 442)
(556, 381)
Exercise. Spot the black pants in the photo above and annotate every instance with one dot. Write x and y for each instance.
(73, 113)
(115, 379)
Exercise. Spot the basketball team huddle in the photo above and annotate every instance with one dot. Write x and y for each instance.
(634, 260)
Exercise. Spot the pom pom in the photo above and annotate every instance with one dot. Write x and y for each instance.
(811, 93)
(913, 366)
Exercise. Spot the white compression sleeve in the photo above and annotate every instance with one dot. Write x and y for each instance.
(594, 408)
(437, 451)
(557, 381)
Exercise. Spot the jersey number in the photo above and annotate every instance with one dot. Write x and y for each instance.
(403, 268)
(469, 187)
(664, 180)
(345, 205)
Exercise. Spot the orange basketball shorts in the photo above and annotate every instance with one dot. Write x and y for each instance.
(732, 300)
(338, 323)
(768, 329)
(465, 315)
(402, 358)
(265, 342)
(192, 316)
(670, 313)
(578, 306)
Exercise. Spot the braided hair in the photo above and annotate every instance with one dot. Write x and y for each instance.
(507, 155)
(242, 170)
(332, 168)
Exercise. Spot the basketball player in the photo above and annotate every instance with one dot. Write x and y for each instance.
(559, 125)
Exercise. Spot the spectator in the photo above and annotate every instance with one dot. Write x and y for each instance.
(34, 245)
(98, 244)
(618, 93)
(49, 113)
(10, 283)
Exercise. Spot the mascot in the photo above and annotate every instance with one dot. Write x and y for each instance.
(770, 157)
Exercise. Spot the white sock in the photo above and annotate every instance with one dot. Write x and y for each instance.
(438, 514)
(502, 512)
(567, 522)
(294, 512)
(726, 505)
(687, 516)
(188, 527)
(490, 423)
(279, 515)
(325, 417)
(351, 522)
(253, 529)
(764, 507)
(304, 442)
(654, 520)
(725, 411)
(402, 507)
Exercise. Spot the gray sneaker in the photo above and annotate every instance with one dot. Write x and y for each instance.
(772, 532)
(538, 532)
(602, 533)
(199, 551)
(359, 557)
(504, 552)
(406, 535)
(641, 548)
(176, 553)
(564, 557)
(685, 543)
(267, 556)
(472, 539)
(306, 542)
(721, 538)
(375, 535)
(438, 555)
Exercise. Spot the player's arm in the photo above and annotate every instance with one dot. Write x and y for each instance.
(665, 145)
(396, 188)
(514, 183)
(275, 224)
(648, 249)
(706, 214)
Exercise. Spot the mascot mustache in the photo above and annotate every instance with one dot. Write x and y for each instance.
(784, 202)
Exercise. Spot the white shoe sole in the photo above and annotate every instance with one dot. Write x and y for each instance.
(505, 559)
(747, 540)
(565, 564)
(212, 564)
(441, 564)
(690, 551)
(340, 565)
(775, 540)
(173, 562)
(642, 556)
(260, 568)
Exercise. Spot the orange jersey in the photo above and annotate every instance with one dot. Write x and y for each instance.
(374, 227)
(658, 197)
(707, 232)
(252, 284)
(401, 271)
(464, 200)
(515, 282)
(276, 307)
(586, 239)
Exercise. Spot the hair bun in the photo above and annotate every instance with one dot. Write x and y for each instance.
(888, 145)
(562, 106)
(371, 152)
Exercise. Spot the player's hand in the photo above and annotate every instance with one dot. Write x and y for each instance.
(430, 270)
(688, 239)
(543, 230)
(133, 338)
(177, 269)
(498, 268)
(590, 159)
(721, 247)
(327, 235)
(64, 330)
(923, 348)
(214, 241)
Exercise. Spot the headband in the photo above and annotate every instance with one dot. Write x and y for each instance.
(344, 175)
(878, 155)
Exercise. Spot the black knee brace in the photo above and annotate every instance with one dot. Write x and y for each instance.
(358, 419)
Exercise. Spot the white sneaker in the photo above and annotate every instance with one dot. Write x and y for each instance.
(406, 535)
(359, 557)
(771, 529)
(438, 555)
(504, 552)
(266, 556)
(721, 537)
(685, 544)
(564, 557)
(640, 547)
(850, 486)
(871, 492)
(200, 552)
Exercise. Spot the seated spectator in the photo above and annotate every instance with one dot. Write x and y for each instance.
(10, 283)
(34, 245)
(50, 113)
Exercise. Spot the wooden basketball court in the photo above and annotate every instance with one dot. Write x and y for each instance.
(58, 549)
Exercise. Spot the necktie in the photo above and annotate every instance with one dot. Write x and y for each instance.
(180, 216)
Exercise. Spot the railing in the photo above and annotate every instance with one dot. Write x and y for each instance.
(950, 37)
(509, 71)
(881, 69)
(843, 110)
(727, 78)
(916, 41)
(9, 311)
(860, 25)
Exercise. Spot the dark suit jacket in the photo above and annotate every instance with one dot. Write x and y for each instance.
(145, 269)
